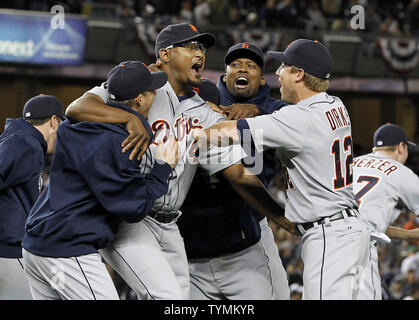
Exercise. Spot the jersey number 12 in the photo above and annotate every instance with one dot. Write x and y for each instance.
(340, 181)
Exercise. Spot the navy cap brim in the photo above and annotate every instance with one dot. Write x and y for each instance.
(158, 80)
(243, 53)
(280, 56)
(206, 38)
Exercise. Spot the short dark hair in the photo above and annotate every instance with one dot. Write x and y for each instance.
(38, 121)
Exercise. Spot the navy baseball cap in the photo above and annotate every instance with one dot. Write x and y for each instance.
(390, 135)
(130, 78)
(245, 50)
(311, 56)
(181, 32)
(43, 106)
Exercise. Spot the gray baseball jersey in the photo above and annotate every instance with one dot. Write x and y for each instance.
(170, 278)
(168, 116)
(379, 183)
(313, 141)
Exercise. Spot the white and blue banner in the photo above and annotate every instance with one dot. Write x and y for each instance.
(42, 38)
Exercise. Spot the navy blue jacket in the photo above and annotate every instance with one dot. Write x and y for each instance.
(92, 187)
(22, 159)
(216, 220)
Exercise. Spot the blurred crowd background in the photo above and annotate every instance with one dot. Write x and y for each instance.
(399, 260)
(382, 16)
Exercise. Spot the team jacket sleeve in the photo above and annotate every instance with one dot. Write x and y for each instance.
(17, 163)
(410, 190)
(285, 129)
(118, 184)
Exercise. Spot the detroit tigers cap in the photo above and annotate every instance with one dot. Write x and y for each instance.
(181, 32)
(130, 78)
(309, 55)
(245, 50)
(43, 106)
(390, 134)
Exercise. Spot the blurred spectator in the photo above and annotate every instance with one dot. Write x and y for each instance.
(252, 19)
(288, 15)
(414, 292)
(234, 17)
(186, 14)
(148, 13)
(220, 9)
(372, 20)
(411, 262)
(201, 13)
(332, 8)
(412, 222)
(268, 15)
(125, 10)
(390, 26)
(396, 287)
(316, 18)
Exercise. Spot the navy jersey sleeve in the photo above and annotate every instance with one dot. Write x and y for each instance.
(118, 184)
(18, 162)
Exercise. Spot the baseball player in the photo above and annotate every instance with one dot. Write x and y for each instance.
(23, 147)
(312, 138)
(213, 207)
(177, 109)
(380, 181)
(77, 213)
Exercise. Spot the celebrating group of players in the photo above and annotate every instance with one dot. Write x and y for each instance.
(164, 176)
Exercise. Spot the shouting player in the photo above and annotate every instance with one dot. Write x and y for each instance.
(77, 213)
(312, 137)
(214, 207)
(151, 255)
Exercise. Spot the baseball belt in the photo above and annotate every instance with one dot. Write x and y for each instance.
(308, 225)
(164, 216)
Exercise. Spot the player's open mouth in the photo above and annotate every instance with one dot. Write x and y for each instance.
(197, 67)
(242, 82)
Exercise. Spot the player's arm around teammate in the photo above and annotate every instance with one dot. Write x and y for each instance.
(91, 107)
(304, 133)
(78, 214)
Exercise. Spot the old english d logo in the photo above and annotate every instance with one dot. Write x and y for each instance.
(194, 29)
(245, 45)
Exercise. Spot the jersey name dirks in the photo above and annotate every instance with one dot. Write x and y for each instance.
(384, 166)
(338, 118)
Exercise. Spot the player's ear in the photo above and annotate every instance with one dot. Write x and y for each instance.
(224, 78)
(262, 81)
(139, 99)
(164, 55)
(299, 74)
(54, 122)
